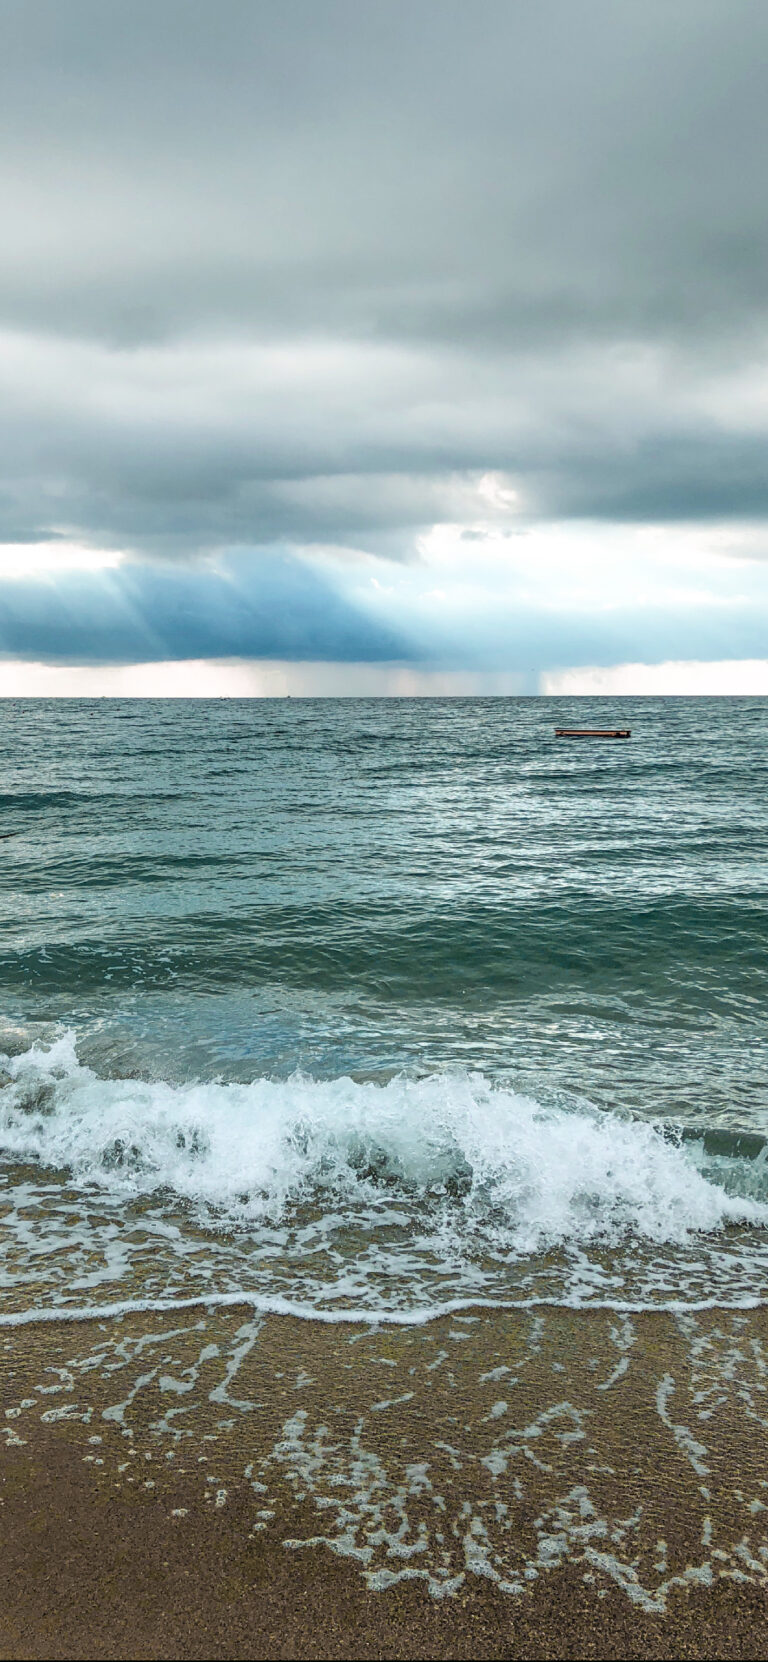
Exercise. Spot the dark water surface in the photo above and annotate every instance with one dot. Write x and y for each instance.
(350, 998)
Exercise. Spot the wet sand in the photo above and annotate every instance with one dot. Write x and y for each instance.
(560, 1484)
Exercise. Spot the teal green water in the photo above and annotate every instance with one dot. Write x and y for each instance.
(228, 887)
(214, 895)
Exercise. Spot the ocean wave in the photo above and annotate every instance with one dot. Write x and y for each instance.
(527, 945)
(479, 1168)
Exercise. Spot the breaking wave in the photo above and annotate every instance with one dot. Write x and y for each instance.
(493, 1170)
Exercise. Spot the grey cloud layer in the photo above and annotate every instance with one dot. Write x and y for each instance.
(519, 165)
(288, 273)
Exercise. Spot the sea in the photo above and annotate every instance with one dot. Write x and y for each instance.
(382, 1008)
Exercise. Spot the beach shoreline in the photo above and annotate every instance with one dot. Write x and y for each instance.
(555, 1484)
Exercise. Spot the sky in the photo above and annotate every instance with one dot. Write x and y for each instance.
(409, 347)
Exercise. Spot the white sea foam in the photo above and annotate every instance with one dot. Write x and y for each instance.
(490, 1169)
(416, 1316)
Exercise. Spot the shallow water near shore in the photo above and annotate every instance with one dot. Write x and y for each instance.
(383, 1006)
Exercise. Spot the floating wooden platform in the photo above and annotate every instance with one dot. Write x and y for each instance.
(593, 732)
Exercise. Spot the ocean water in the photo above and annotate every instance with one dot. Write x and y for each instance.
(383, 1006)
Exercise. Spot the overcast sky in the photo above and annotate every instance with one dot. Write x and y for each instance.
(389, 346)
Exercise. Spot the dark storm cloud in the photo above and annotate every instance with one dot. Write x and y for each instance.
(275, 608)
(279, 607)
(296, 273)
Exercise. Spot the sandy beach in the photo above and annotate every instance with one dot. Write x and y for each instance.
(543, 1484)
